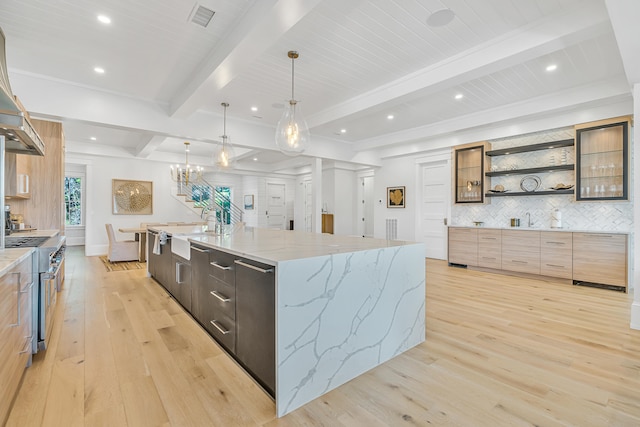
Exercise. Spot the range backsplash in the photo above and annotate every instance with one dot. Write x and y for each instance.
(595, 216)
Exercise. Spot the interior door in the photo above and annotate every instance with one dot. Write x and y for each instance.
(436, 182)
(275, 206)
(365, 208)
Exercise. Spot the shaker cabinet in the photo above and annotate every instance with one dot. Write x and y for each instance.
(602, 157)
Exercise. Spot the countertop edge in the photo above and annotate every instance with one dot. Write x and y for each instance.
(561, 230)
(11, 257)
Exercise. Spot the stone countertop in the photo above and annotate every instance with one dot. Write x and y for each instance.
(9, 258)
(273, 246)
(34, 233)
(534, 228)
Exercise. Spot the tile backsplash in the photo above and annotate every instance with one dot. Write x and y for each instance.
(596, 215)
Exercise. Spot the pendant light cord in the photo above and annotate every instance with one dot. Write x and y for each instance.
(293, 60)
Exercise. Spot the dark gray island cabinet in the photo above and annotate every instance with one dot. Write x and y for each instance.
(302, 313)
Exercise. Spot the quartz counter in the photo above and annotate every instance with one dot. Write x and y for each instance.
(344, 305)
(11, 257)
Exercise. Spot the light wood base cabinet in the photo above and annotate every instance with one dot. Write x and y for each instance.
(463, 246)
(521, 251)
(556, 249)
(489, 248)
(600, 258)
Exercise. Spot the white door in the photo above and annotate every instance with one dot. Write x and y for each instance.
(308, 206)
(365, 208)
(275, 206)
(436, 181)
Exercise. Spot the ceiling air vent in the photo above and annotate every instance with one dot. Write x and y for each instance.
(201, 15)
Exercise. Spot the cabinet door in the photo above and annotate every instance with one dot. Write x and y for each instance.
(521, 251)
(182, 281)
(556, 254)
(602, 162)
(463, 246)
(490, 248)
(255, 321)
(199, 278)
(469, 174)
(600, 258)
(16, 174)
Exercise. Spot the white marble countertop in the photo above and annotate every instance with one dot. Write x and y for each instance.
(34, 233)
(534, 228)
(9, 258)
(273, 246)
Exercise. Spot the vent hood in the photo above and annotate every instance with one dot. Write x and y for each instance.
(20, 136)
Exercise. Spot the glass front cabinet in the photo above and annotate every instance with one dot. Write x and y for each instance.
(469, 177)
(602, 162)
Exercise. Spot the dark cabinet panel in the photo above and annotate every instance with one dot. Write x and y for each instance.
(182, 281)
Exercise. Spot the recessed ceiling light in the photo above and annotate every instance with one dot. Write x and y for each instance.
(99, 70)
(459, 96)
(104, 19)
(255, 159)
(343, 131)
(440, 18)
(93, 138)
(552, 67)
(390, 117)
(254, 108)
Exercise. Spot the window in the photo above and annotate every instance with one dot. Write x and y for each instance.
(200, 194)
(73, 200)
(223, 199)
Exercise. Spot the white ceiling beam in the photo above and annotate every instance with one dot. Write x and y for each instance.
(263, 26)
(624, 16)
(518, 46)
(148, 145)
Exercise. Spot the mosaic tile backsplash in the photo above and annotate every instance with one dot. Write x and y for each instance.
(595, 216)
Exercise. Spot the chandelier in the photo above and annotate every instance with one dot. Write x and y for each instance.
(224, 157)
(184, 174)
(292, 132)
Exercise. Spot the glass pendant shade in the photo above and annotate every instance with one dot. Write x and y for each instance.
(224, 156)
(292, 132)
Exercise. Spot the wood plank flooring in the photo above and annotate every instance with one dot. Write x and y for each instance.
(500, 351)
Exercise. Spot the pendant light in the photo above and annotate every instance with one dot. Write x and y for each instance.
(292, 132)
(225, 156)
(185, 174)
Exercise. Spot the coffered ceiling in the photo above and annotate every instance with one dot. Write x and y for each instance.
(360, 61)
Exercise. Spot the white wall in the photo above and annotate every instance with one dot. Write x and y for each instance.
(393, 173)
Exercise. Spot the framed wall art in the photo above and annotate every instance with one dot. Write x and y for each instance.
(395, 197)
(248, 202)
(131, 197)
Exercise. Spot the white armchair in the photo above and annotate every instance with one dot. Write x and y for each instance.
(121, 250)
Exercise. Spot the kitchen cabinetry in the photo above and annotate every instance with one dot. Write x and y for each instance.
(161, 265)
(556, 249)
(602, 156)
(463, 246)
(255, 321)
(600, 258)
(181, 288)
(469, 177)
(521, 251)
(489, 248)
(44, 209)
(16, 176)
(515, 169)
(16, 330)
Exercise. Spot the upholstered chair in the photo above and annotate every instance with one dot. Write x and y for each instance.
(121, 250)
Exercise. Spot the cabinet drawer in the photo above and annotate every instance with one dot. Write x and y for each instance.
(223, 330)
(221, 297)
(521, 251)
(490, 260)
(521, 264)
(221, 266)
(556, 254)
(463, 246)
(490, 248)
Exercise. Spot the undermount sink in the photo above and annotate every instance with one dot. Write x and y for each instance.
(181, 246)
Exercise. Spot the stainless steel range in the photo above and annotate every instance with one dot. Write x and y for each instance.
(50, 268)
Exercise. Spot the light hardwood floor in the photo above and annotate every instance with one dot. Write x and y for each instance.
(500, 351)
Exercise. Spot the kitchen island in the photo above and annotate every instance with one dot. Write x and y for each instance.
(319, 309)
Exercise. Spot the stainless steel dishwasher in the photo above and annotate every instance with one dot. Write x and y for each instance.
(255, 321)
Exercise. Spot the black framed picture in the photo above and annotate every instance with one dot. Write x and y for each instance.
(395, 197)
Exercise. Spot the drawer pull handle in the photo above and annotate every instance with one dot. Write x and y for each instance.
(220, 297)
(221, 267)
(487, 257)
(554, 265)
(222, 330)
(488, 238)
(195, 248)
(556, 243)
(519, 262)
(253, 267)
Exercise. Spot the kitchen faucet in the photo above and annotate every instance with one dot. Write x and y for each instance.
(528, 219)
